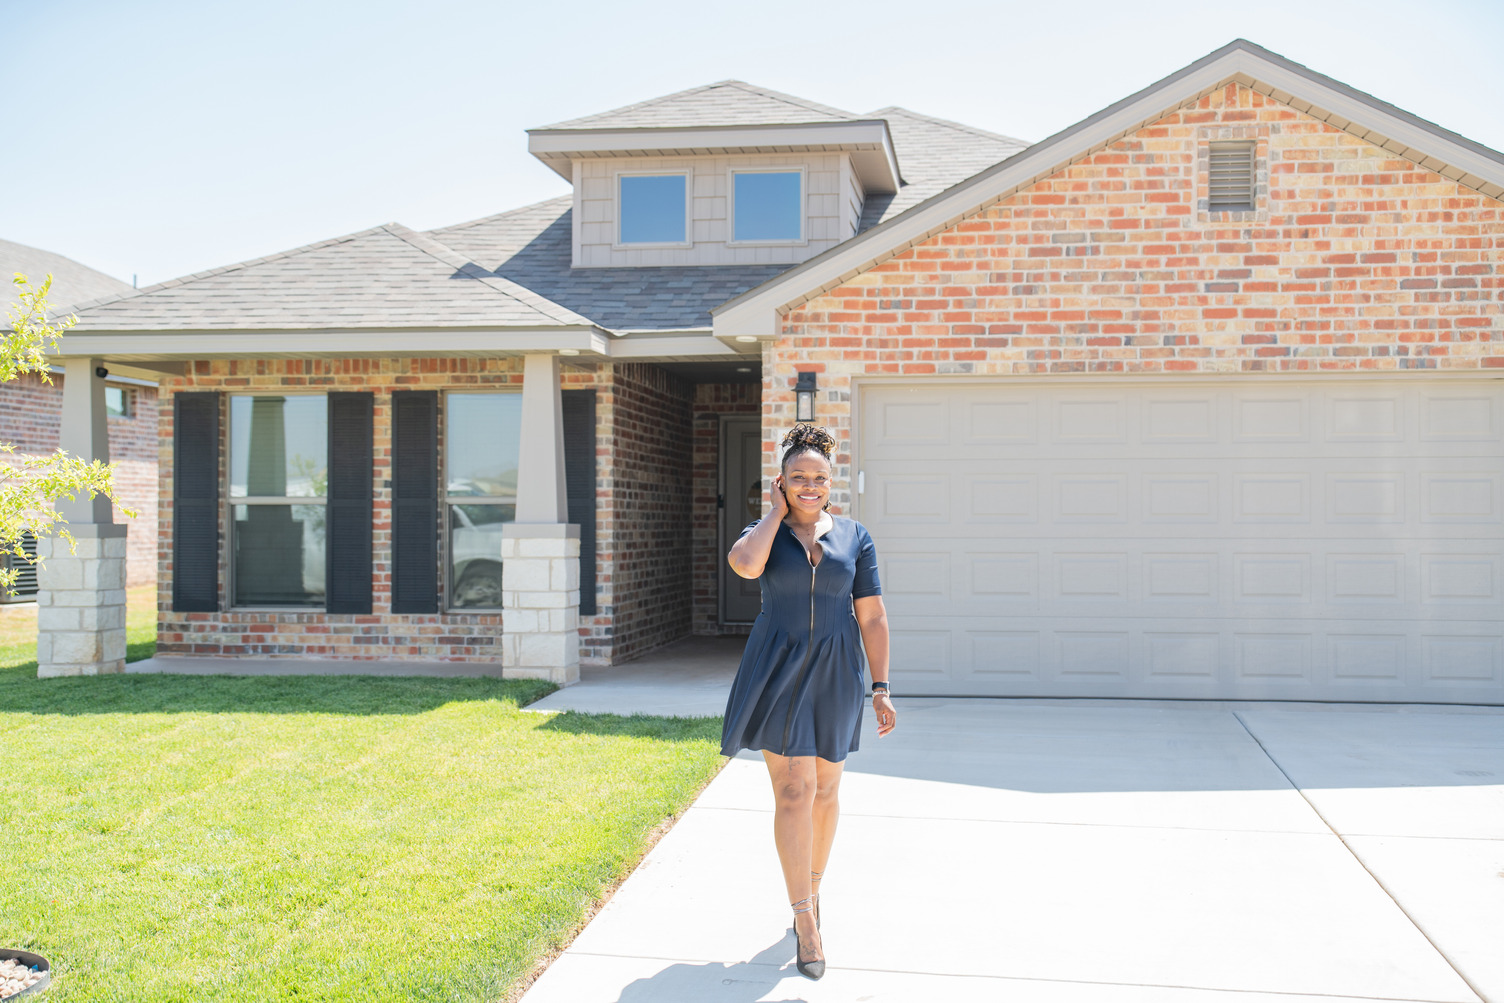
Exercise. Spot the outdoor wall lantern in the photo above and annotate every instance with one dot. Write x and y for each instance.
(804, 397)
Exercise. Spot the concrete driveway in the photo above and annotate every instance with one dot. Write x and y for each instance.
(1063, 851)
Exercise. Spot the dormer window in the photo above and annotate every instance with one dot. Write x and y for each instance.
(767, 206)
(653, 209)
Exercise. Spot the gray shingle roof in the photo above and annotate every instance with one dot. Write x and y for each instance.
(71, 281)
(388, 276)
(729, 102)
(531, 247)
(935, 154)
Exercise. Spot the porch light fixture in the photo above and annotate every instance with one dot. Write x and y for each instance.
(804, 397)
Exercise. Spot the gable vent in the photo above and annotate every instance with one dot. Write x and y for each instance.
(1232, 176)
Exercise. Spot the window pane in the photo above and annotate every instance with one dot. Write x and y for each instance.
(115, 402)
(652, 209)
(769, 205)
(475, 554)
(482, 435)
(279, 447)
(279, 555)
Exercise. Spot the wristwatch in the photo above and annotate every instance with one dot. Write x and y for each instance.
(880, 687)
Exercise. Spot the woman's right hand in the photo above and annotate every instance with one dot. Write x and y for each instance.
(778, 502)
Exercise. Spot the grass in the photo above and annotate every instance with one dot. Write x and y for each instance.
(182, 838)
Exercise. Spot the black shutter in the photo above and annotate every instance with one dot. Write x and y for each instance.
(348, 527)
(415, 501)
(579, 481)
(195, 502)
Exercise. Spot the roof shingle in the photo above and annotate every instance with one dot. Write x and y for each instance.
(727, 103)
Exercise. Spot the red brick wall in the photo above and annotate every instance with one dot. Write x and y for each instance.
(1354, 260)
(649, 487)
(712, 402)
(643, 485)
(30, 415)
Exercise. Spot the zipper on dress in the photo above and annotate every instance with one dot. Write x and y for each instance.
(809, 648)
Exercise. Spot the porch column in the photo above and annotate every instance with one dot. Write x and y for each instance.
(540, 551)
(81, 593)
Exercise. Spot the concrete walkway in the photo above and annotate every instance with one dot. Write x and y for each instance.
(1064, 851)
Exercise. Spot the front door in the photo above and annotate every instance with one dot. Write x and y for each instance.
(741, 502)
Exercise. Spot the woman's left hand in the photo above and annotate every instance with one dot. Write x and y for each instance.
(887, 717)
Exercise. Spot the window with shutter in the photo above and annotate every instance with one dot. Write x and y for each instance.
(348, 572)
(195, 502)
(1231, 176)
(415, 501)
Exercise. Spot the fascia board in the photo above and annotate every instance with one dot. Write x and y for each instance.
(177, 345)
(640, 346)
(1339, 101)
(756, 312)
(549, 145)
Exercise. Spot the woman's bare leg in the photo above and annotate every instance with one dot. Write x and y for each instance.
(826, 813)
(795, 784)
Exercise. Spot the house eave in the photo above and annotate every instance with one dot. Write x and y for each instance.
(756, 312)
(159, 346)
(867, 140)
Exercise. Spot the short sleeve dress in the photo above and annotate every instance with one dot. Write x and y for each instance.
(799, 689)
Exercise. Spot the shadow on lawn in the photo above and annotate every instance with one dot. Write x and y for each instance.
(21, 692)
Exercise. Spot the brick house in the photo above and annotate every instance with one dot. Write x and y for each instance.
(31, 410)
(1196, 398)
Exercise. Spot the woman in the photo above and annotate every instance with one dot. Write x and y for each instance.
(798, 693)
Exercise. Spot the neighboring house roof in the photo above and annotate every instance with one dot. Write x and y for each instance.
(385, 277)
(727, 103)
(71, 282)
(755, 313)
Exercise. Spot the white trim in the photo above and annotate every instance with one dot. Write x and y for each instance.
(689, 209)
(126, 346)
(799, 241)
(868, 140)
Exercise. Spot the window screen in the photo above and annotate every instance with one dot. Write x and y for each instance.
(769, 205)
(652, 208)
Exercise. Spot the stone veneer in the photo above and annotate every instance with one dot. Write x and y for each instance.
(81, 605)
(1356, 260)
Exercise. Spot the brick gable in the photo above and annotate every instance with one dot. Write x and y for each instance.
(1355, 260)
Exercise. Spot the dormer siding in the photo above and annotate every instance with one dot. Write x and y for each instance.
(832, 207)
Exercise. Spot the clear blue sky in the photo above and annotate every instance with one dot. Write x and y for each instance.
(161, 137)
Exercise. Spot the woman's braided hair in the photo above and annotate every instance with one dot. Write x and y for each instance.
(806, 439)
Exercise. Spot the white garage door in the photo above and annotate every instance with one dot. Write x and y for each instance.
(1262, 538)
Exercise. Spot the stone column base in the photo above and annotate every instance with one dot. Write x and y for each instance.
(81, 602)
(540, 601)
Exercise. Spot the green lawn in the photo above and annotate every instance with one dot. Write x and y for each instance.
(288, 838)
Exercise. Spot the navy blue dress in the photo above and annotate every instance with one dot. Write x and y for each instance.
(799, 689)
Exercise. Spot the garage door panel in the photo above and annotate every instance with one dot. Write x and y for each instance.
(1365, 417)
(1459, 417)
(1272, 541)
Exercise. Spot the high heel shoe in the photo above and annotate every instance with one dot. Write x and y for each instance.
(809, 969)
(814, 880)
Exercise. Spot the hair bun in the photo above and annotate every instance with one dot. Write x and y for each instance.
(804, 437)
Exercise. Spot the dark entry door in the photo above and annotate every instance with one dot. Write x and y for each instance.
(741, 495)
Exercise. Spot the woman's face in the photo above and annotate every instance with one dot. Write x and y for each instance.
(806, 481)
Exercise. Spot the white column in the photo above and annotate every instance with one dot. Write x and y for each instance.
(81, 593)
(540, 551)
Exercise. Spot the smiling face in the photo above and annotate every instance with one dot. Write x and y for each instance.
(806, 481)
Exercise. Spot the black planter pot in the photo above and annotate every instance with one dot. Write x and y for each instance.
(30, 961)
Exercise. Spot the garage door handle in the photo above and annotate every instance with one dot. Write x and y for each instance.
(861, 481)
